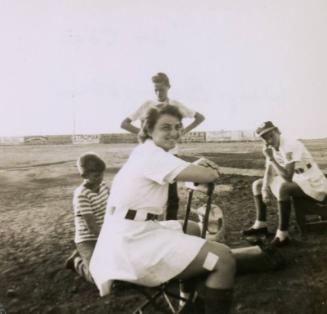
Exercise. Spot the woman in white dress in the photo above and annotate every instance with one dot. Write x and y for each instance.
(134, 246)
(290, 172)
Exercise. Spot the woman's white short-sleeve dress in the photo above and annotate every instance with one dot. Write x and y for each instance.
(311, 179)
(144, 252)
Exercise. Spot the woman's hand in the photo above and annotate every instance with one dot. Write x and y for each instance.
(201, 171)
(268, 152)
(204, 162)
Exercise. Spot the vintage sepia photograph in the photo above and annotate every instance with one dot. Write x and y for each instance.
(163, 157)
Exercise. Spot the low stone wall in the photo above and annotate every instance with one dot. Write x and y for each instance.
(86, 139)
(35, 140)
(48, 140)
(110, 138)
(118, 138)
(59, 139)
(194, 137)
(11, 140)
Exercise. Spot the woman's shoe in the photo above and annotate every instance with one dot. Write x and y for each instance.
(277, 242)
(69, 263)
(255, 232)
(273, 256)
(193, 307)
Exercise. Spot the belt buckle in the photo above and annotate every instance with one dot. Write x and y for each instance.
(151, 216)
(131, 214)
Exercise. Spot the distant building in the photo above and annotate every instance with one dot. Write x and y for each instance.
(192, 137)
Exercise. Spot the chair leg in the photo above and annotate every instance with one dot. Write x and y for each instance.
(152, 300)
(171, 307)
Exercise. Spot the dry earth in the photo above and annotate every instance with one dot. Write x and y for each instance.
(36, 232)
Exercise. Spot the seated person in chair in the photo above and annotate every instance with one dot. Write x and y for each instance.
(134, 246)
(290, 171)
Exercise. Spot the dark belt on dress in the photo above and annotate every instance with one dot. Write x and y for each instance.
(301, 170)
(131, 214)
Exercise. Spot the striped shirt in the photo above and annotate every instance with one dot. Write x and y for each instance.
(85, 202)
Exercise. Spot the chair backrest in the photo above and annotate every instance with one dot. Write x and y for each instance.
(209, 192)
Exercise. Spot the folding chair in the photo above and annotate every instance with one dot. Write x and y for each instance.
(209, 191)
(166, 290)
(305, 206)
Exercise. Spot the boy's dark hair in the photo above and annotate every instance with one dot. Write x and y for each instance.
(161, 78)
(88, 162)
(153, 115)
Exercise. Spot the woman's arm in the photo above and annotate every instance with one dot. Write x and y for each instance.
(285, 172)
(202, 171)
(267, 176)
(265, 189)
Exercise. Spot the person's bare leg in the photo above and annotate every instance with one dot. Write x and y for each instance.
(218, 262)
(260, 225)
(284, 193)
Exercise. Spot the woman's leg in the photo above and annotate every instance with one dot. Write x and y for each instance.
(188, 286)
(217, 262)
(193, 228)
(260, 206)
(82, 262)
(260, 224)
(284, 192)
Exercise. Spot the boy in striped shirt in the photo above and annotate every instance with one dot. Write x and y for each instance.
(89, 202)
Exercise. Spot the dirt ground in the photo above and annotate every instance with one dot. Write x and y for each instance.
(36, 232)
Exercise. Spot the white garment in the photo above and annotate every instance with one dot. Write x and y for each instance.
(141, 111)
(311, 179)
(142, 183)
(144, 252)
(139, 114)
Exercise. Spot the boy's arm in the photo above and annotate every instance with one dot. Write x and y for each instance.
(128, 126)
(82, 204)
(92, 224)
(198, 119)
(137, 115)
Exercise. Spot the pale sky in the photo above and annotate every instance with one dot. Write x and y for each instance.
(238, 62)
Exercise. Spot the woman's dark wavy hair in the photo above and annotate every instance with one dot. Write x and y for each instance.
(152, 116)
